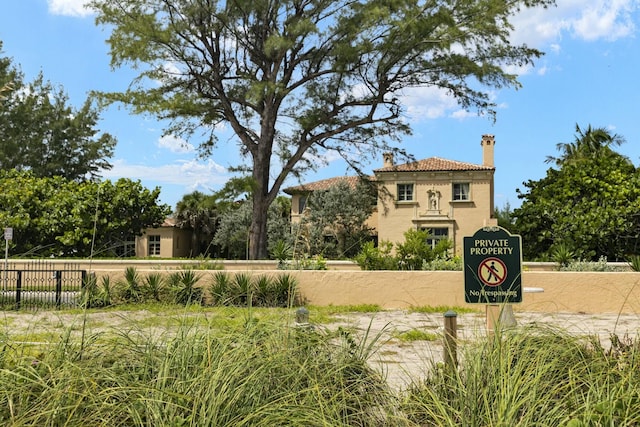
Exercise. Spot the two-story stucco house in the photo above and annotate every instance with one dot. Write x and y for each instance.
(449, 198)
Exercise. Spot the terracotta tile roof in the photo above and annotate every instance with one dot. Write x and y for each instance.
(169, 222)
(434, 164)
(324, 184)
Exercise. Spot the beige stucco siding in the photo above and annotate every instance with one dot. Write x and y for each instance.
(433, 205)
(174, 242)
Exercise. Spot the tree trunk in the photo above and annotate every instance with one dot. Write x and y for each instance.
(262, 196)
(258, 237)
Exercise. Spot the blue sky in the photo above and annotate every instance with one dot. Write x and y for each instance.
(589, 76)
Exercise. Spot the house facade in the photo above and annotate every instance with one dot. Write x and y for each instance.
(166, 241)
(450, 199)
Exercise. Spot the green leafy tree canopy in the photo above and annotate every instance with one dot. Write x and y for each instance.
(341, 212)
(296, 78)
(198, 213)
(41, 132)
(60, 217)
(589, 206)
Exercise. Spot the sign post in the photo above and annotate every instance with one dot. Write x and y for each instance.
(492, 269)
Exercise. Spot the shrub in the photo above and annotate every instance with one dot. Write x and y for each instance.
(203, 263)
(129, 287)
(183, 284)
(634, 262)
(582, 265)
(316, 262)
(262, 290)
(416, 253)
(444, 263)
(562, 255)
(282, 251)
(244, 289)
(220, 288)
(377, 258)
(153, 287)
(284, 292)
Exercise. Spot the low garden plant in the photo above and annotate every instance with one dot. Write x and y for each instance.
(583, 265)
(415, 253)
(186, 287)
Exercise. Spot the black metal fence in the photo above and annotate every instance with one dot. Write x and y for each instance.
(38, 284)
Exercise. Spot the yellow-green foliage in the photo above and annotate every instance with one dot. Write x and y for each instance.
(416, 335)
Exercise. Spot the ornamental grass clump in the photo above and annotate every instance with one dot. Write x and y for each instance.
(257, 374)
(531, 376)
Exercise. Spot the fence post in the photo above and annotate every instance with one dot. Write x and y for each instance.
(58, 274)
(450, 339)
(85, 297)
(18, 288)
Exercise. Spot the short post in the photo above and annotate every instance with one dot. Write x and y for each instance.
(492, 312)
(450, 339)
(302, 316)
(507, 318)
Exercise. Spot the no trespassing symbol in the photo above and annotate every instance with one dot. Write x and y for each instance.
(492, 271)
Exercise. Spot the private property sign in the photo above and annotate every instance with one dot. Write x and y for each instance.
(492, 267)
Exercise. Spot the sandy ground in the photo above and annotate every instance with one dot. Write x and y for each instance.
(403, 361)
(400, 361)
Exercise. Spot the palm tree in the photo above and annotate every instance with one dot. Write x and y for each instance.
(592, 142)
(198, 212)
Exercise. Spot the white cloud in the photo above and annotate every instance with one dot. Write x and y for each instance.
(582, 19)
(518, 70)
(77, 8)
(542, 71)
(428, 102)
(463, 114)
(609, 20)
(175, 144)
(190, 173)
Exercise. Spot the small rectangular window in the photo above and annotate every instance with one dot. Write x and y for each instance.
(436, 235)
(126, 249)
(461, 191)
(302, 204)
(405, 192)
(154, 245)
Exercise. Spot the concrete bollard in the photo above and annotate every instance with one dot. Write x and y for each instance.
(302, 316)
